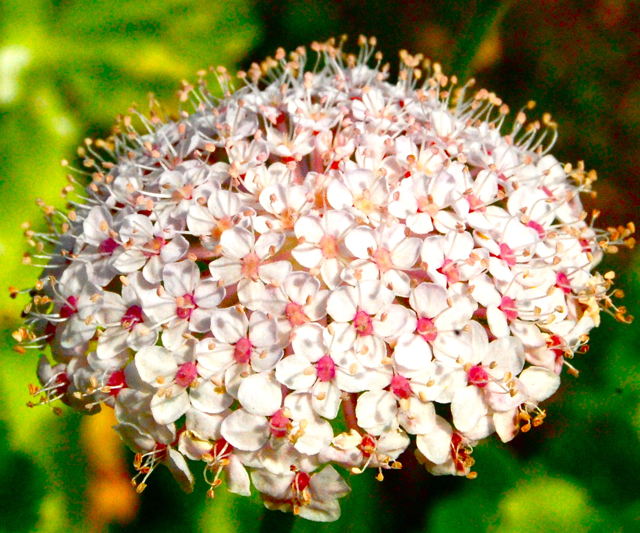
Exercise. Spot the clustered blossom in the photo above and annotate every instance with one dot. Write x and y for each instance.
(306, 272)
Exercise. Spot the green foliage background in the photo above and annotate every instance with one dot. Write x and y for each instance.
(68, 67)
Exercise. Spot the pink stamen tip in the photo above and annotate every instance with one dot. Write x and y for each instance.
(325, 368)
(242, 352)
(477, 376)
(186, 375)
(401, 387)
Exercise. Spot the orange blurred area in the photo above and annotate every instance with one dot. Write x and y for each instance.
(110, 497)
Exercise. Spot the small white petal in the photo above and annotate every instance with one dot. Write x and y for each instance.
(375, 408)
(260, 394)
(436, 444)
(468, 407)
(245, 431)
(540, 382)
(169, 407)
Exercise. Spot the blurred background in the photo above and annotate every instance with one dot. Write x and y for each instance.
(69, 67)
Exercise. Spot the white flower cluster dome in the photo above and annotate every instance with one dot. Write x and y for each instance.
(308, 272)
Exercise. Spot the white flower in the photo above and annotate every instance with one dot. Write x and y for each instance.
(318, 241)
(321, 244)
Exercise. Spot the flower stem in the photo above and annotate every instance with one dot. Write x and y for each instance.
(349, 410)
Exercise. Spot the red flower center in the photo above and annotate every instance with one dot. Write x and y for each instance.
(69, 308)
(478, 376)
(131, 317)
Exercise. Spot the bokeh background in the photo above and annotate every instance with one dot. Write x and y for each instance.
(68, 67)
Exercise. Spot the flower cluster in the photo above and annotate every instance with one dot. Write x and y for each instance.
(308, 271)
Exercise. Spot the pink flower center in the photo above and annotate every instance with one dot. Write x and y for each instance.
(329, 246)
(325, 368)
(295, 314)
(533, 224)
(426, 205)
(475, 204)
(186, 375)
(154, 246)
(401, 387)
(279, 424)
(364, 204)
(186, 304)
(69, 308)
(450, 270)
(250, 265)
(382, 259)
(508, 307)
(242, 352)
(221, 226)
(477, 376)
(108, 246)
(116, 382)
(563, 282)
(427, 329)
(362, 323)
(131, 317)
(507, 255)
